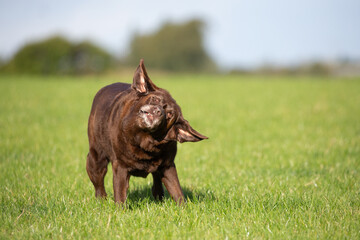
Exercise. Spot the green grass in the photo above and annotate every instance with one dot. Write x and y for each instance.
(282, 162)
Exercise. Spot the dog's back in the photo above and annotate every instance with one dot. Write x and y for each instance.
(106, 95)
(100, 111)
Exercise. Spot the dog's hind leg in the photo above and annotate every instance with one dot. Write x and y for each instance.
(96, 167)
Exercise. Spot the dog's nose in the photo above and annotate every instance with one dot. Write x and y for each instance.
(153, 110)
(157, 111)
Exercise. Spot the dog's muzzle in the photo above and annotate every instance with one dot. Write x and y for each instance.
(153, 116)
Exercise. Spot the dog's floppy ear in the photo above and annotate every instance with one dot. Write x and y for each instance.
(181, 131)
(141, 81)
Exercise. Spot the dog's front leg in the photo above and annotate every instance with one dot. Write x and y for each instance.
(157, 188)
(172, 184)
(120, 182)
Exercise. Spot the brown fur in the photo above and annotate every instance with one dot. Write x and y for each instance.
(136, 127)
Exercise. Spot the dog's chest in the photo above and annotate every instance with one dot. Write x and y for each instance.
(141, 168)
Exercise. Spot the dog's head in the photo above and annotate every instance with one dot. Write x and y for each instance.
(158, 113)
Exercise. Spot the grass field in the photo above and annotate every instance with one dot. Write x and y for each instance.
(282, 161)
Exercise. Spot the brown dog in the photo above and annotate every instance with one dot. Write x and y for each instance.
(135, 127)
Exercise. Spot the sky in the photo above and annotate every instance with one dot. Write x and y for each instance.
(238, 33)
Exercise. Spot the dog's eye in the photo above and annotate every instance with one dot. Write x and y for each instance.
(155, 100)
(169, 115)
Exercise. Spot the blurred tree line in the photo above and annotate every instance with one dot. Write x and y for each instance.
(175, 47)
(57, 55)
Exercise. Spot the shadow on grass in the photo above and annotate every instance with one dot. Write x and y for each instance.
(193, 195)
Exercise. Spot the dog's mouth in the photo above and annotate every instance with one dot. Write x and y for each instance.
(153, 116)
